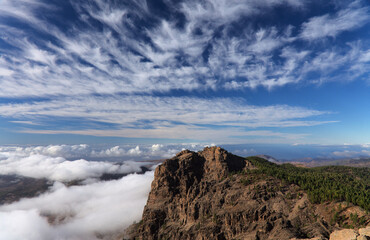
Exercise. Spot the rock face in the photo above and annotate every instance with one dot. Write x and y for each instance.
(365, 231)
(345, 234)
(351, 234)
(213, 194)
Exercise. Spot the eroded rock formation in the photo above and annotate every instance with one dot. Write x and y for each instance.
(213, 194)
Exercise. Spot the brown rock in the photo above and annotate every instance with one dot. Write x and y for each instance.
(365, 231)
(315, 238)
(362, 237)
(345, 234)
(213, 194)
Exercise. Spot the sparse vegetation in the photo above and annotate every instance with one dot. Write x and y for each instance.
(244, 181)
(197, 226)
(357, 221)
(323, 183)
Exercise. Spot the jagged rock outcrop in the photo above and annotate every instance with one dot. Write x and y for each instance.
(213, 194)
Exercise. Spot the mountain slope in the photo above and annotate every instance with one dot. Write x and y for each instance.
(213, 194)
(323, 183)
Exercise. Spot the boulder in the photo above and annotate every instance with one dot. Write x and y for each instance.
(365, 231)
(362, 237)
(345, 234)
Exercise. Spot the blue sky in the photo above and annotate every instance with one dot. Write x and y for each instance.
(220, 71)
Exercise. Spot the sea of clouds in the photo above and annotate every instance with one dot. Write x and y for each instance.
(124, 152)
(77, 162)
(80, 212)
(93, 209)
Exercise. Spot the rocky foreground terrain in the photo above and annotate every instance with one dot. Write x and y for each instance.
(213, 194)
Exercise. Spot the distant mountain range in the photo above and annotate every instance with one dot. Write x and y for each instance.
(319, 162)
(350, 162)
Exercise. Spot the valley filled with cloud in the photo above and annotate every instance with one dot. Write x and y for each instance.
(89, 209)
(86, 211)
(78, 204)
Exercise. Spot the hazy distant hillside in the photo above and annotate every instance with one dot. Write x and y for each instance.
(13, 188)
(352, 162)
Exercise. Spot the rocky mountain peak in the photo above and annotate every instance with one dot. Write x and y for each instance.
(219, 163)
(178, 174)
(213, 163)
(213, 194)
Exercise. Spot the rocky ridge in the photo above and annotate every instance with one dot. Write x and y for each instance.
(213, 194)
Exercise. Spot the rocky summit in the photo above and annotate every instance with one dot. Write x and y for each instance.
(213, 194)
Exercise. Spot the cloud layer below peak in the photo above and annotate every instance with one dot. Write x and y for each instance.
(92, 209)
(79, 212)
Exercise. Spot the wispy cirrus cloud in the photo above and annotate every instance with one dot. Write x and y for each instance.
(107, 52)
(330, 25)
(129, 53)
(128, 110)
(219, 136)
(166, 117)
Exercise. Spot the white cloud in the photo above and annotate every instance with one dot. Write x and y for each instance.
(351, 153)
(164, 117)
(266, 41)
(79, 212)
(221, 136)
(22, 9)
(64, 151)
(328, 25)
(336, 64)
(113, 58)
(20, 224)
(245, 152)
(117, 57)
(157, 147)
(60, 169)
(56, 154)
(25, 122)
(50, 161)
(111, 152)
(149, 152)
(220, 12)
(6, 72)
(83, 212)
(129, 110)
(60, 63)
(345, 153)
(135, 151)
